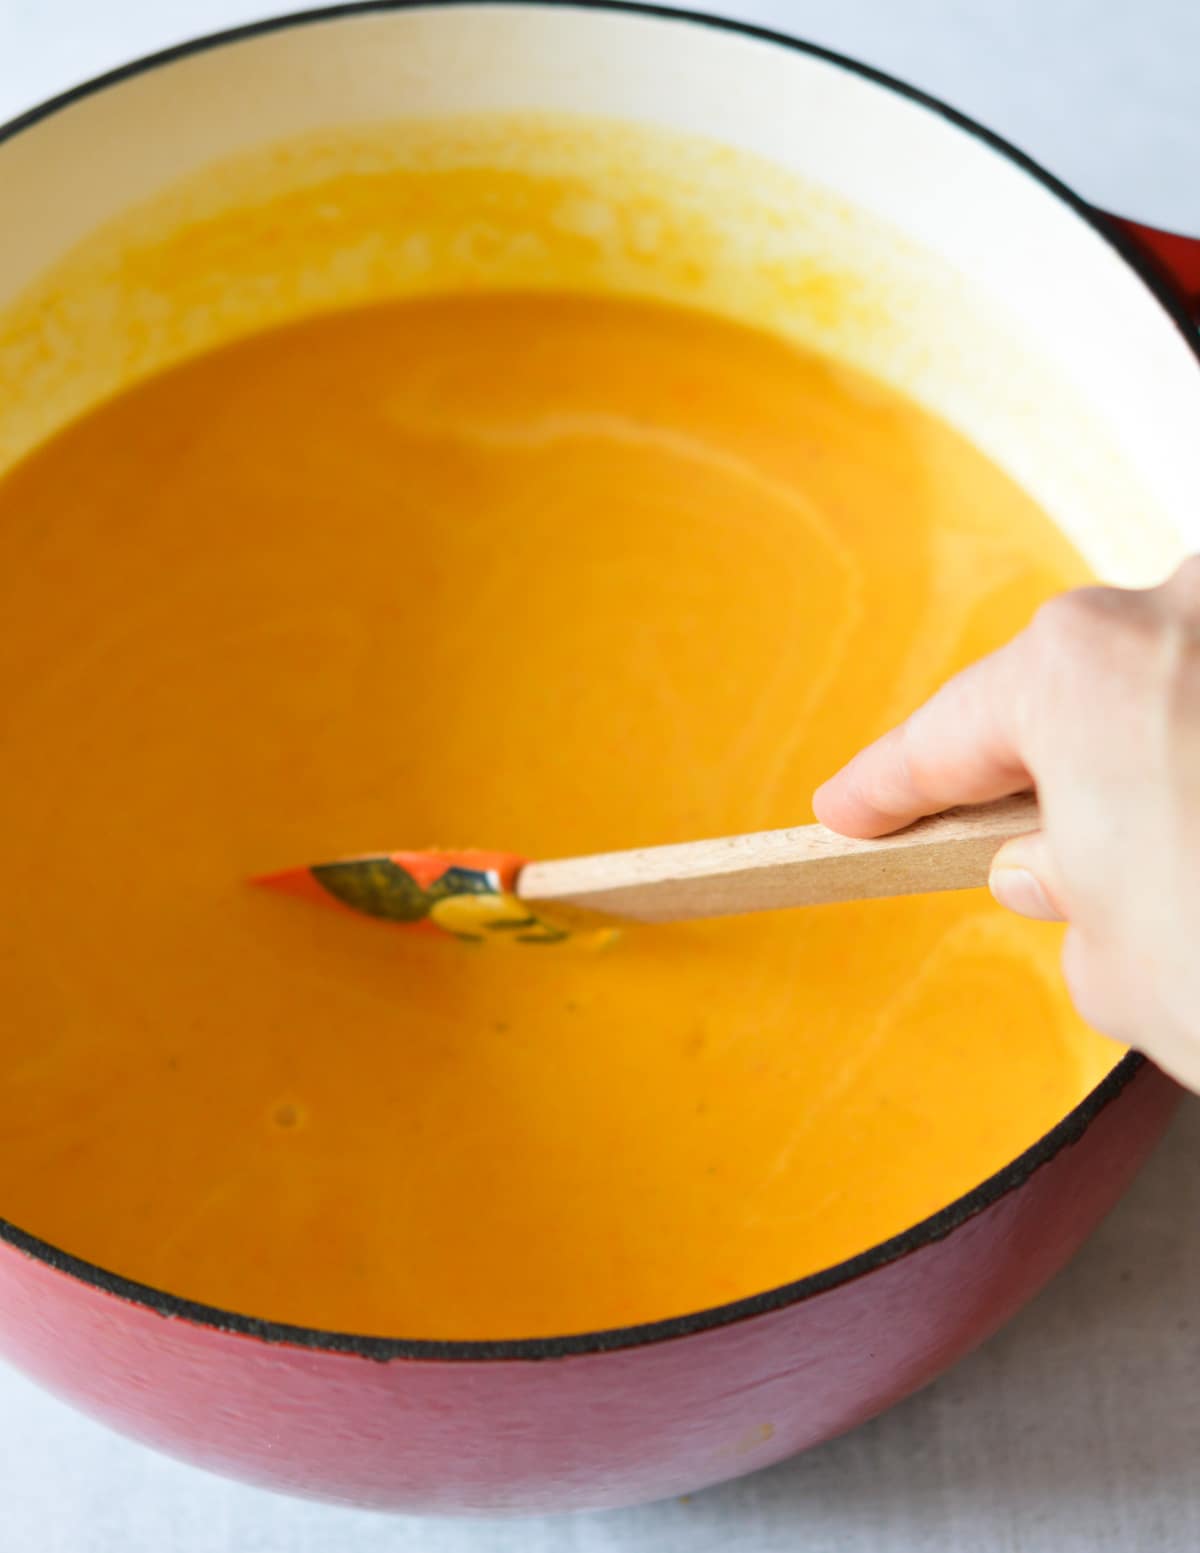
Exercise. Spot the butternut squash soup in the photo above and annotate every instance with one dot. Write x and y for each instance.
(550, 573)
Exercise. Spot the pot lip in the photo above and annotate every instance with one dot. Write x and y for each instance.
(937, 1226)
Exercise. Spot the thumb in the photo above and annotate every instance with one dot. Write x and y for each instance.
(1024, 879)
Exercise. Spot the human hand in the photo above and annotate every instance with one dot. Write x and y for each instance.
(1097, 706)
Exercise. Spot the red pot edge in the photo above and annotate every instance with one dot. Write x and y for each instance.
(1175, 256)
(937, 1226)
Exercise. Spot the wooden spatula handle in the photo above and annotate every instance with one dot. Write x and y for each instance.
(807, 866)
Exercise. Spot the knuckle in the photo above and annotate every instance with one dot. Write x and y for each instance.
(1075, 618)
(1182, 593)
(1064, 640)
(1115, 631)
(1084, 974)
(1063, 628)
(1180, 610)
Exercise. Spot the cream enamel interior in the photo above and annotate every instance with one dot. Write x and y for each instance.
(1005, 312)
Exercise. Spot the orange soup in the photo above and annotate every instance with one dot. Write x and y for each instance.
(543, 573)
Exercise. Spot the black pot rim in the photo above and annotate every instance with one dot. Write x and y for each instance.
(937, 1226)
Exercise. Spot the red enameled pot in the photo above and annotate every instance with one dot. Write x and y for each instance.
(1101, 308)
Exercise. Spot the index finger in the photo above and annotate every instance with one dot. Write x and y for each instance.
(960, 747)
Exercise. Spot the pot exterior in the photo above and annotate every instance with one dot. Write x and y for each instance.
(591, 1430)
(1176, 254)
(633, 1423)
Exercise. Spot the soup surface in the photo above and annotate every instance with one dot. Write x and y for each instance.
(544, 573)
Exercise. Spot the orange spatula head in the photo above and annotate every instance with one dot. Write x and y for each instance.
(470, 895)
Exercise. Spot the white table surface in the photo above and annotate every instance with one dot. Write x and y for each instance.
(1078, 1428)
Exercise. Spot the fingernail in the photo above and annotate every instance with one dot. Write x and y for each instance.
(1018, 890)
